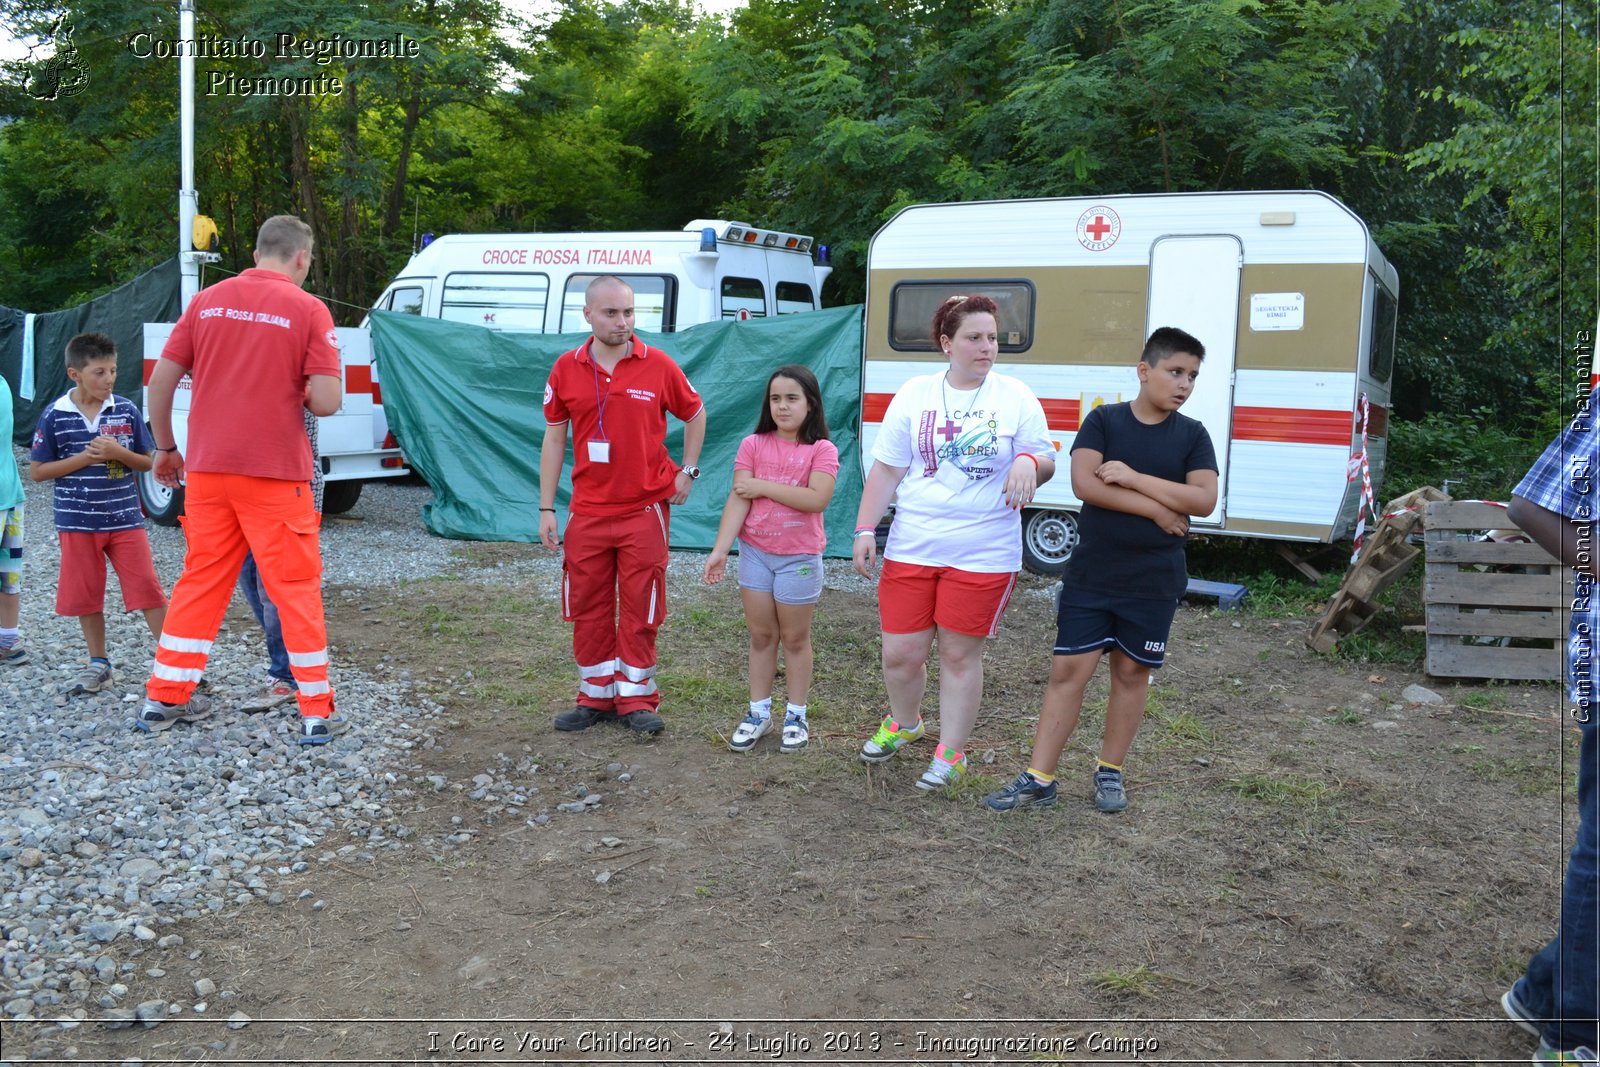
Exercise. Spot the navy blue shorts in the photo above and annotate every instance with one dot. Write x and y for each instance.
(1137, 627)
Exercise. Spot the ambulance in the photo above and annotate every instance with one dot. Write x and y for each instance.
(1288, 291)
(709, 271)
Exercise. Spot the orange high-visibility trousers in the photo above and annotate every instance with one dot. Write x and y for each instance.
(228, 515)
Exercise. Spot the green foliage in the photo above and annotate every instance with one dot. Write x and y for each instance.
(1462, 130)
(1471, 455)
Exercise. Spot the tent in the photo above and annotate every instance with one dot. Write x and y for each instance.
(466, 404)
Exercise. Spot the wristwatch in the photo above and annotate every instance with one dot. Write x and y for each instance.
(691, 470)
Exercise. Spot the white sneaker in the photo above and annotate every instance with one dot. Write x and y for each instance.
(796, 734)
(941, 774)
(750, 730)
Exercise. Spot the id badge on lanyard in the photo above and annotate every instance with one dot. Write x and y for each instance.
(599, 451)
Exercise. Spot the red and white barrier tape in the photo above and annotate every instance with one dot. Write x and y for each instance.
(1360, 464)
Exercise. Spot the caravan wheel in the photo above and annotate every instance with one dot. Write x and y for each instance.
(163, 503)
(1048, 538)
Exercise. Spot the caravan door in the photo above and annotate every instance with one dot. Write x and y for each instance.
(1194, 285)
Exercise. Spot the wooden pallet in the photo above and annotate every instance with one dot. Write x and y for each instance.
(1482, 595)
(1385, 556)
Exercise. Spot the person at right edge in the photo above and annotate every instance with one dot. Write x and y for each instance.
(259, 351)
(1142, 470)
(1558, 999)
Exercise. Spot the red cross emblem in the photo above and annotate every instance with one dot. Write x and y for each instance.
(949, 429)
(488, 316)
(1098, 228)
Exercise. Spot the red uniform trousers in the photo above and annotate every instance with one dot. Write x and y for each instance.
(227, 515)
(614, 592)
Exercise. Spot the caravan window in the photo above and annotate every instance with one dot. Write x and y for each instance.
(407, 301)
(655, 299)
(794, 297)
(498, 301)
(743, 294)
(1383, 320)
(912, 304)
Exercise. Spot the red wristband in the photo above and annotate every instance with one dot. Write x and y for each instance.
(1030, 455)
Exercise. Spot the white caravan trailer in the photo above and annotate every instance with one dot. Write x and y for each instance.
(534, 282)
(1287, 290)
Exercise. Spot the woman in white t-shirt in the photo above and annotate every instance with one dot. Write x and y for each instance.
(961, 452)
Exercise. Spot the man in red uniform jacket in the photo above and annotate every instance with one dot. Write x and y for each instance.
(615, 392)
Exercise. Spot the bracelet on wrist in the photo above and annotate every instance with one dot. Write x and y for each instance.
(867, 531)
(1030, 455)
(174, 448)
(550, 510)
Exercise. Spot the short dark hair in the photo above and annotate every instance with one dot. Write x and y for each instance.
(281, 236)
(947, 320)
(87, 347)
(815, 428)
(1169, 341)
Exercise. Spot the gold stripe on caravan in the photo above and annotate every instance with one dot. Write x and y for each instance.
(1299, 531)
(1331, 339)
(1090, 315)
(1096, 315)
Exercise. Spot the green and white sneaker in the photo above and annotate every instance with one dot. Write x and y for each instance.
(889, 739)
(941, 774)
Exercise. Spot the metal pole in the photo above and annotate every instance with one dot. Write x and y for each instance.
(188, 201)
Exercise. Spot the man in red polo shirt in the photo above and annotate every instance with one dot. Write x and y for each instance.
(615, 392)
(260, 351)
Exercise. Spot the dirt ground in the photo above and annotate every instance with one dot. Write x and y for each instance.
(1309, 870)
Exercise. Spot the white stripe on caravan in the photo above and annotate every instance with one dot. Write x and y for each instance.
(175, 674)
(309, 659)
(994, 623)
(184, 644)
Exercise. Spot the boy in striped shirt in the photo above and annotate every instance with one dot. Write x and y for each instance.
(91, 442)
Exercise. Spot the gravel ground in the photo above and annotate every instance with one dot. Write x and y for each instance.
(109, 836)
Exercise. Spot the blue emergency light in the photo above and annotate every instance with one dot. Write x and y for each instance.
(708, 239)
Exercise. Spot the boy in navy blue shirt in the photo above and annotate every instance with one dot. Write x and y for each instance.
(1142, 470)
(90, 442)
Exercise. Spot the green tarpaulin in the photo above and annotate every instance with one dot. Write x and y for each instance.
(151, 297)
(466, 404)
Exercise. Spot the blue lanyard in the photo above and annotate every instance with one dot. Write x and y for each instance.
(599, 398)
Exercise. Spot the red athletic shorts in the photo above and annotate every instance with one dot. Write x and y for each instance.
(913, 598)
(82, 587)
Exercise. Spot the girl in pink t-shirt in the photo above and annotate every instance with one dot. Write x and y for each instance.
(783, 478)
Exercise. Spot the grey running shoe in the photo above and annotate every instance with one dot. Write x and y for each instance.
(15, 656)
(91, 679)
(157, 716)
(316, 730)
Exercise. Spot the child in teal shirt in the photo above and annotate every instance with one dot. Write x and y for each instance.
(12, 654)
